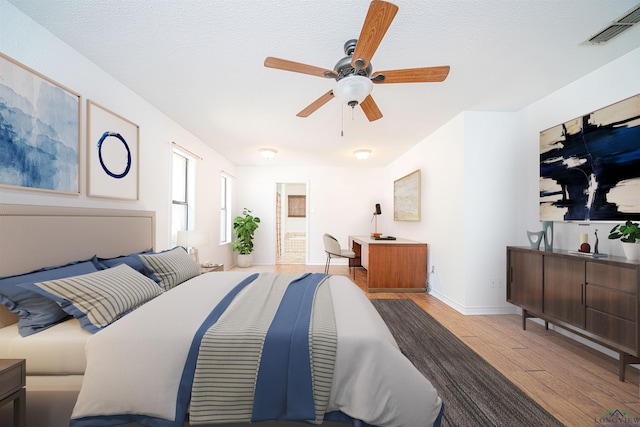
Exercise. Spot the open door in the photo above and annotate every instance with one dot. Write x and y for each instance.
(291, 223)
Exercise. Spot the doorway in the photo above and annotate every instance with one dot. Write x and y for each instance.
(291, 223)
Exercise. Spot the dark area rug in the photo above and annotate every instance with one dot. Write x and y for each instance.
(474, 392)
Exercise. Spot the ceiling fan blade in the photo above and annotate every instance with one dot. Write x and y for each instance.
(370, 109)
(376, 24)
(414, 75)
(316, 104)
(297, 67)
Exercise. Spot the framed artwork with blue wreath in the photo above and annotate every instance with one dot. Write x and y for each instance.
(112, 154)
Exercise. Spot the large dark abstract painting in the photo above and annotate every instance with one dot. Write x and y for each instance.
(590, 166)
(39, 131)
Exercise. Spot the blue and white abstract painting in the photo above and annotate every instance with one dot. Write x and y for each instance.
(39, 131)
(590, 166)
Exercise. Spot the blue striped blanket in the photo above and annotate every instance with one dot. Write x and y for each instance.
(161, 364)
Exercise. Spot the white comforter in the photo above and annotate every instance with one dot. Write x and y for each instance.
(134, 366)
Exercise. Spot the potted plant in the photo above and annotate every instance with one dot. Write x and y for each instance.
(629, 234)
(244, 226)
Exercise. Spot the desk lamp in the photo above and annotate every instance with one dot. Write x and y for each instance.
(375, 216)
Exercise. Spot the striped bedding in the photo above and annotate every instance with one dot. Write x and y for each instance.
(136, 367)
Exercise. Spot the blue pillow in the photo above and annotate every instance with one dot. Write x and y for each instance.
(35, 312)
(133, 261)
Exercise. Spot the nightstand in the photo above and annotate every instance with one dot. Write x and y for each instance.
(212, 267)
(12, 383)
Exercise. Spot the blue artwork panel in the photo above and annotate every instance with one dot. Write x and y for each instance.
(590, 166)
(39, 131)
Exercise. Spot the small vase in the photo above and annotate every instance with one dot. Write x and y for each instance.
(631, 250)
(535, 237)
(547, 227)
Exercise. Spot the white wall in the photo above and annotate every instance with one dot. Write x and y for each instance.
(27, 42)
(468, 209)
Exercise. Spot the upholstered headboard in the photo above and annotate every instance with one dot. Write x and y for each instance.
(38, 236)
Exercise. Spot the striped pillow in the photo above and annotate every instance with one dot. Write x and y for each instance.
(172, 267)
(98, 299)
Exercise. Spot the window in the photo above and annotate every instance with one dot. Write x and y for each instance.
(225, 208)
(297, 207)
(182, 189)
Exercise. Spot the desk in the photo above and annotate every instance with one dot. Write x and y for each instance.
(392, 265)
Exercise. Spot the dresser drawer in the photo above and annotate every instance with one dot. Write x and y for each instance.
(612, 276)
(617, 303)
(613, 328)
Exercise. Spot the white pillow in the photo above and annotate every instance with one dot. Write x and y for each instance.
(98, 299)
(171, 267)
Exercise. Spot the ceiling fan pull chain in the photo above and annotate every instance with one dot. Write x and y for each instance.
(341, 120)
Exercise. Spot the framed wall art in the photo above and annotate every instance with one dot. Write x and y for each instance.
(590, 166)
(112, 154)
(39, 131)
(406, 197)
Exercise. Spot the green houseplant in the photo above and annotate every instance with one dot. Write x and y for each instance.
(629, 234)
(244, 226)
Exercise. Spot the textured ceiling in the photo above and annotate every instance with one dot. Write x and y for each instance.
(201, 63)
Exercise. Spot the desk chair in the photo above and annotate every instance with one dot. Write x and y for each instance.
(333, 250)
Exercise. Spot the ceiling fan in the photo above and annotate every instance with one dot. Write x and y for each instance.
(354, 73)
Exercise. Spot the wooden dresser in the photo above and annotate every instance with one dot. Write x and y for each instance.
(596, 298)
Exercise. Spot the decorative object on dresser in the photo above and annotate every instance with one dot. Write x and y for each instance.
(596, 298)
(40, 128)
(12, 383)
(244, 226)
(535, 237)
(629, 235)
(547, 227)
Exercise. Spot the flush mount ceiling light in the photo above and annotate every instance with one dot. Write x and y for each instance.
(352, 90)
(268, 153)
(362, 154)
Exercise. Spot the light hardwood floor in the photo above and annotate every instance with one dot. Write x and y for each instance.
(575, 383)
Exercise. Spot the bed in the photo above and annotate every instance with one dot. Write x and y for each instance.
(77, 368)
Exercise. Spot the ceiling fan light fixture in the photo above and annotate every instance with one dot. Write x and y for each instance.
(268, 153)
(352, 90)
(362, 154)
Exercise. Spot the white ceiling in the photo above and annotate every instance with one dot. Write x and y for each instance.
(201, 63)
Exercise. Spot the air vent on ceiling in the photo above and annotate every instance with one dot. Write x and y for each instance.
(627, 21)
